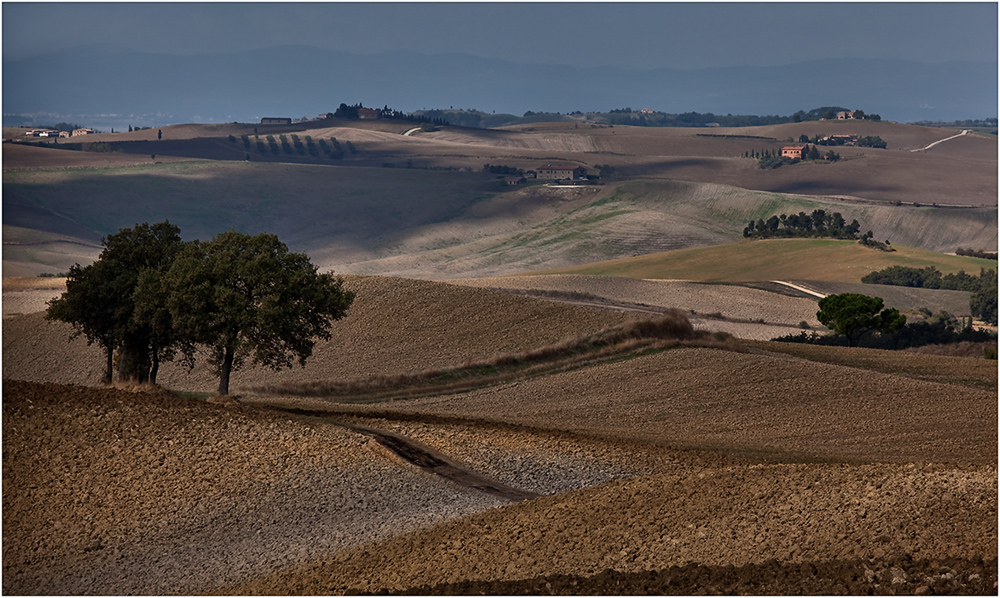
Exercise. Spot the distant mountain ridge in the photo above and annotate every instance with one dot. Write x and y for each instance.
(98, 85)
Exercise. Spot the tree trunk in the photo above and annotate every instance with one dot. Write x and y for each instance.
(109, 370)
(155, 367)
(224, 371)
(134, 366)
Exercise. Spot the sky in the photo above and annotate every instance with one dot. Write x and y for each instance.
(639, 35)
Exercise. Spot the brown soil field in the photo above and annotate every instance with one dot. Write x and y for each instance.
(781, 470)
(751, 312)
(435, 325)
(18, 156)
(755, 300)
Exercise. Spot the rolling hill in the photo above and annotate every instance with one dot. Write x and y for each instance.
(723, 465)
(777, 259)
(823, 471)
(421, 205)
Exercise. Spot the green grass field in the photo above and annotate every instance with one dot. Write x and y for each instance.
(775, 259)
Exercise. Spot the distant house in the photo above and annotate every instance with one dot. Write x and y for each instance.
(42, 133)
(557, 172)
(64, 133)
(515, 180)
(368, 114)
(793, 151)
(78, 132)
(846, 115)
(267, 120)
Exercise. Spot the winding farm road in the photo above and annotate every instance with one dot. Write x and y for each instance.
(798, 288)
(924, 149)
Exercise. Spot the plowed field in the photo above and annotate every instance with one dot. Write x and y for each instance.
(686, 471)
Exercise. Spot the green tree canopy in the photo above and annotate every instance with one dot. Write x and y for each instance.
(852, 315)
(88, 305)
(104, 300)
(249, 297)
(983, 302)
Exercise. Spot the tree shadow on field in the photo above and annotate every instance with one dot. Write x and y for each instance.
(839, 187)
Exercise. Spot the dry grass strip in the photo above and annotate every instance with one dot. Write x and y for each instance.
(616, 342)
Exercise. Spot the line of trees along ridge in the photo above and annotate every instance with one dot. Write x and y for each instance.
(151, 297)
(817, 224)
(982, 303)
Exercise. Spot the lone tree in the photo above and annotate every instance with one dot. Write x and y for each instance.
(853, 315)
(249, 297)
(119, 301)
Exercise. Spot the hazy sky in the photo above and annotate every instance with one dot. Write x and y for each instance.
(639, 35)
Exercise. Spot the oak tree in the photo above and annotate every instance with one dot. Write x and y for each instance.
(118, 301)
(248, 297)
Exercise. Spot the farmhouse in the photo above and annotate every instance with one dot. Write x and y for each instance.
(267, 120)
(561, 171)
(41, 133)
(78, 132)
(368, 114)
(846, 115)
(793, 151)
(515, 180)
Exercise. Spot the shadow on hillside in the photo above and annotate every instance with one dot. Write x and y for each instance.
(40, 219)
(840, 187)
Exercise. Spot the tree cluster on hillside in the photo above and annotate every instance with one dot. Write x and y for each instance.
(387, 113)
(982, 304)
(871, 141)
(934, 329)
(630, 117)
(837, 140)
(977, 122)
(471, 118)
(627, 116)
(502, 169)
(980, 253)
(64, 126)
(150, 296)
(770, 159)
(817, 224)
(853, 315)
